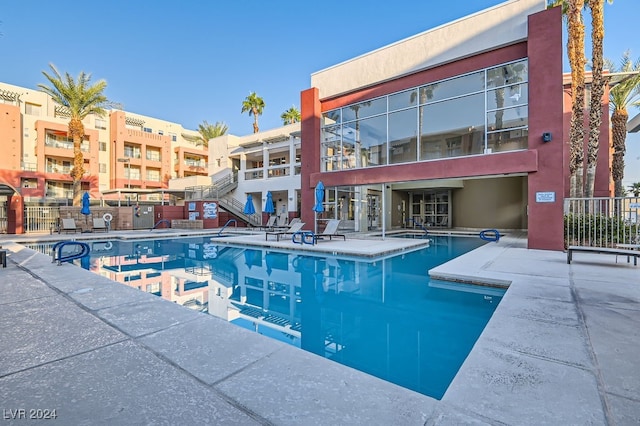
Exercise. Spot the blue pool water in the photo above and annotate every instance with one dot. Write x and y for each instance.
(383, 317)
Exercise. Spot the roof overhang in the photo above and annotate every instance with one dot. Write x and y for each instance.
(141, 191)
(7, 190)
(633, 125)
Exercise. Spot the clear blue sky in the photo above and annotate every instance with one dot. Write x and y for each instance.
(191, 61)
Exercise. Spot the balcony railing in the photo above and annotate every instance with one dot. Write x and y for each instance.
(253, 174)
(59, 193)
(64, 144)
(29, 167)
(58, 169)
(278, 171)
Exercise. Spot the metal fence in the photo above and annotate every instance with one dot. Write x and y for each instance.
(40, 218)
(3, 216)
(602, 221)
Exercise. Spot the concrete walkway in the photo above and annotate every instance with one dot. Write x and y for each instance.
(561, 349)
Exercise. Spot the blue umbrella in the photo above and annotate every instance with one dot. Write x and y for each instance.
(318, 207)
(248, 207)
(85, 204)
(268, 205)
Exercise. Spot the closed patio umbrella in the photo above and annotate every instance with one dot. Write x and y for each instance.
(318, 207)
(85, 204)
(268, 205)
(248, 207)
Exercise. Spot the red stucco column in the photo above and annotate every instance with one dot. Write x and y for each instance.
(310, 115)
(15, 215)
(546, 187)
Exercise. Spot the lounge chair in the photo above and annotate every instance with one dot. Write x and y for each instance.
(99, 224)
(330, 231)
(269, 225)
(69, 225)
(281, 233)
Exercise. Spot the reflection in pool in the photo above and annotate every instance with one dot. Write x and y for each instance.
(383, 317)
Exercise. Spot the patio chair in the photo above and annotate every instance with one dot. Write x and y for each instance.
(330, 231)
(69, 225)
(270, 224)
(99, 224)
(290, 231)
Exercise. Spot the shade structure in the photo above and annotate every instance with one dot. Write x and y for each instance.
(268, 205)
(318, 207)
(248, 206)
(85, 204)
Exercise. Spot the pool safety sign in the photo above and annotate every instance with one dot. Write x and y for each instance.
(545, 197)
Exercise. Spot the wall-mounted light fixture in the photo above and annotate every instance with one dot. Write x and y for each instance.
(546, 137)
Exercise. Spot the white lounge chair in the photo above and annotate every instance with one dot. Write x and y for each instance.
(292, 230)
(330, 231)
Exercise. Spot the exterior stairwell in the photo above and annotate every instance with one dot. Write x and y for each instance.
(221, 191)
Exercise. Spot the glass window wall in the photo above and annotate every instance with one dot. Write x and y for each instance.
(478, 113)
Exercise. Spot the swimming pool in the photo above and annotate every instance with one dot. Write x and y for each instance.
(383, 317)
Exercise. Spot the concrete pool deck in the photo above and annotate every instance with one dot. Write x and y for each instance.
(560, 349)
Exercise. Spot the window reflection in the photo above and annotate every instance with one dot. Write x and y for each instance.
(507, 74)
(403, 100)
(453, 87)
(331, 117)
(453, 128)
(507, 141)
(403, 136)
(507, 118)
(477, 113)
(371, 141)
(517, 94)
(364, 109)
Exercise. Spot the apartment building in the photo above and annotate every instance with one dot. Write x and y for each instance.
(122, 151)
(464, 125)
(268, 161)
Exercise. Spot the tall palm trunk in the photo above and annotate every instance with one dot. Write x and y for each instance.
(619, 133)
(256, 129)
(76, 131)
(575, 50)
(597, 90)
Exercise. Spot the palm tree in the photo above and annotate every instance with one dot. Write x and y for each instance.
(254, 105)
(80, 99)
(572, 11)
(597, 90)
(575, 51)
(290, 116)
(635, 189)
(621, 96)
(209, 131)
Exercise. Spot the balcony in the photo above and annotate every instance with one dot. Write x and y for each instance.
(29, 167)
(278, 171)
(52, 168)
(53, 141)
(59, 193)
(253, 174)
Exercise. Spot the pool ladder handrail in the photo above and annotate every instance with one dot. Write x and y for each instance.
(165, 221)
(227, 224)
(415, 222)
(56, 251)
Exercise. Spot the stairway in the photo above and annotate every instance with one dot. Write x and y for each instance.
(221, 191)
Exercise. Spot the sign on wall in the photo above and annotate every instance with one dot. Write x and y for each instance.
(545, 197)
(210, 210)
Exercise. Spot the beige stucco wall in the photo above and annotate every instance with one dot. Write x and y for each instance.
(497, 26)
(491, 203)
